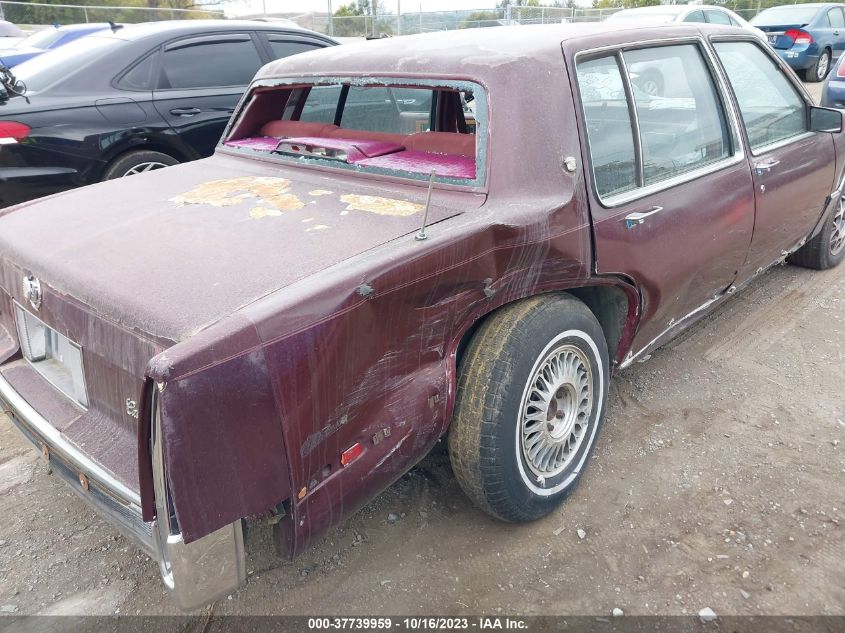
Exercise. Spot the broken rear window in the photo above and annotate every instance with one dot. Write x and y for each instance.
(401, 129)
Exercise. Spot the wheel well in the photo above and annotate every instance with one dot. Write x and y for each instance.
(609, 304)
(143, 147)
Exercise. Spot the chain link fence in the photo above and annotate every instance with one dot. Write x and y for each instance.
(41, 13)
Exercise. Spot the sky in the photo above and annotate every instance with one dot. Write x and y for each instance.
(306, 6)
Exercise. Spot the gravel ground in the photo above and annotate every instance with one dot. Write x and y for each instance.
(718, 481)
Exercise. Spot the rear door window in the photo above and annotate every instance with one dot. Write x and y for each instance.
(695, 16)
(280, 46)
(835, 18)
(718, 17)
(684, 128)
(209, 62)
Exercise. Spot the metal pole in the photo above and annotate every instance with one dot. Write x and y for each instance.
(264, 5)
(331, 19)
(399, 17)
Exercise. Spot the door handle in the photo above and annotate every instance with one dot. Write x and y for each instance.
(765, 166)
(633, 220)
(185, 111)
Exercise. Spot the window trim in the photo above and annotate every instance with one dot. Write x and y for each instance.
(724, 97)
(482, 148)
(155, 72)
(790, 78)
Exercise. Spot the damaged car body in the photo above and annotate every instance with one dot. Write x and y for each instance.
(379, 256)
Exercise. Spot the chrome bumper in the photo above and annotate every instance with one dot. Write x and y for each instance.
(194, 573)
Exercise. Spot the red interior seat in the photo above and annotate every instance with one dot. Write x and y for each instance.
(365, 135)
(281, 129)
(442, 143)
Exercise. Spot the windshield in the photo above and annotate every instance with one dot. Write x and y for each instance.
(778, 16)
(40, 39)
(644, 17)
(45, 70)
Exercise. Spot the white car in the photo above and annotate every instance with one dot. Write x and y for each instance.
(666, 14)
(651, 78)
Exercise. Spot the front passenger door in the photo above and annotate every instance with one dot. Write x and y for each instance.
(793, 168)
(202, 79)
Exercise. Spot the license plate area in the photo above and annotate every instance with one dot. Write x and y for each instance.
(773, 39)
(52, 354)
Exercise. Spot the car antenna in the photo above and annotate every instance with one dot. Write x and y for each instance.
(421, 235)
(114, 27)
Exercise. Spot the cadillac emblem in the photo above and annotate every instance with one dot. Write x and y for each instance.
(32, 291)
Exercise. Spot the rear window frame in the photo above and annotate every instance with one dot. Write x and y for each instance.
(482, 117)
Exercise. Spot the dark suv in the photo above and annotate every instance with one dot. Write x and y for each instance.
(130, 100)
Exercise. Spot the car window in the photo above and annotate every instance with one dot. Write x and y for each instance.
(834, 16)
(684, 128)
(374, 109)
(772, 109)
(189, 66)
(718, 17)
(695, 16)
(609, 128)
(785, 15)
(59, 64)
(139, 77)
(284, 48)
(734, 21)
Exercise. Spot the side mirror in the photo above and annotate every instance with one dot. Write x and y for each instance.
(825, 119)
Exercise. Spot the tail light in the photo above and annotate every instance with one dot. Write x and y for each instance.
(12, 132)
(799, 36)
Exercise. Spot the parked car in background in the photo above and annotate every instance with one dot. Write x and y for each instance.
(47, 39)
(652, 78)
(668, 14)
(283, 329)
(806, 36)
(143, 97)
(833, 90)
(10, 34)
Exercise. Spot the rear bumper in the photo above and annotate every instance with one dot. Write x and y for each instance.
(194, 573)
(798, 59)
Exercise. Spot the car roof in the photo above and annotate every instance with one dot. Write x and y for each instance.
(672, 8)
(471, 53)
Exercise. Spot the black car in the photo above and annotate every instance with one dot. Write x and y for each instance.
(131, 99)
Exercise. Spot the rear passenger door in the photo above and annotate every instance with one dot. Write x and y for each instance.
(671, 196)
(201, 80)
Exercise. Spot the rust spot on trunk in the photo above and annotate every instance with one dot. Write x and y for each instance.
(381, 206)
(273, 194)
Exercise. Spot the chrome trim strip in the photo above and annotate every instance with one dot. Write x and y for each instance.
(635, 119)
(55, 441)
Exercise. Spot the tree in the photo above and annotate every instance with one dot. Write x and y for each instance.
(480, 19)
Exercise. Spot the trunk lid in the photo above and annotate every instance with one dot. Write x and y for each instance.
(166, 254)
(777, 34)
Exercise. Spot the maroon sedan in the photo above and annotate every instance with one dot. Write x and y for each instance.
(395, 243)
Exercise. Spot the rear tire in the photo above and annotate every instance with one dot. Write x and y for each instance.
(532, 389)
(137, 162)
(827, 249)
(818, 71)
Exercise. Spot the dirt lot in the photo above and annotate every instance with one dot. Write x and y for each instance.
(718, 481)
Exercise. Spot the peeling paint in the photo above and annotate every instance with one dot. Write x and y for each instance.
(272, 192)
(320, 192)
(381, 206)
(316, 227)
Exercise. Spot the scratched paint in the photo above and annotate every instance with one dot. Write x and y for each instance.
(273, 193)
(381, 206)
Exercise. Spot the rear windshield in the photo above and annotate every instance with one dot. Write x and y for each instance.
(41, 39)
(401, 129)
(785, 16)
(47, 69)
